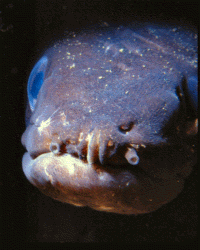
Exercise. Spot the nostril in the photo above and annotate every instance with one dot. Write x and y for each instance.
(132, 157)
(124, 128)
(55, 148)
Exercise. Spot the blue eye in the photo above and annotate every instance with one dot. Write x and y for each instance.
(193, 90)
(36, 80)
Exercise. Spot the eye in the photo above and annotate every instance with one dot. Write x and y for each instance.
(36, 80)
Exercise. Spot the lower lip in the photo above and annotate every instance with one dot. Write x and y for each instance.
(70, 180)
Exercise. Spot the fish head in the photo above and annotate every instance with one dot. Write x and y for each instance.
(112, 121)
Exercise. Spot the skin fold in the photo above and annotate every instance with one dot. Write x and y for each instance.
(112, 117)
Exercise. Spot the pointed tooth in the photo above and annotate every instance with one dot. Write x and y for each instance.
(92, 154)
(102, 149)
(82, 149)
(136, 146)
(132, 157)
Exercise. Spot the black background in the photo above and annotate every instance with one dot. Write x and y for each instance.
(26, 214)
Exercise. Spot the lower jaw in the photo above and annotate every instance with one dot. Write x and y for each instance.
(70, 180)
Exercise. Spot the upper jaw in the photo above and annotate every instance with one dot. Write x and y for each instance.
(93, 146)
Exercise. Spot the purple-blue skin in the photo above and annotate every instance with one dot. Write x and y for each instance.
(113, 117)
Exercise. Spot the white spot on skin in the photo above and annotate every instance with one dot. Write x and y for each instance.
(107, 48)
(63, 114)
(80, 137)
(45, 124)
(71, 169)
(64, 119)
(72, 66)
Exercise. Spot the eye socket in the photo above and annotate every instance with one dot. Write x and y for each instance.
(36, 80)
(124, 128)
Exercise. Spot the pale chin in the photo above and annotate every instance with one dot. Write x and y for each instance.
(70, 180)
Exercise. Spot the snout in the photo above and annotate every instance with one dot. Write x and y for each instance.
(96, 167)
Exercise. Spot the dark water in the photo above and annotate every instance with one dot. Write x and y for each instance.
(28, 215)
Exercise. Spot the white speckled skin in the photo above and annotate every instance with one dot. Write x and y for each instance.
(111, 128)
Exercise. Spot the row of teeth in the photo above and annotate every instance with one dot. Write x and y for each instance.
(130, 155)
(137, 146)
